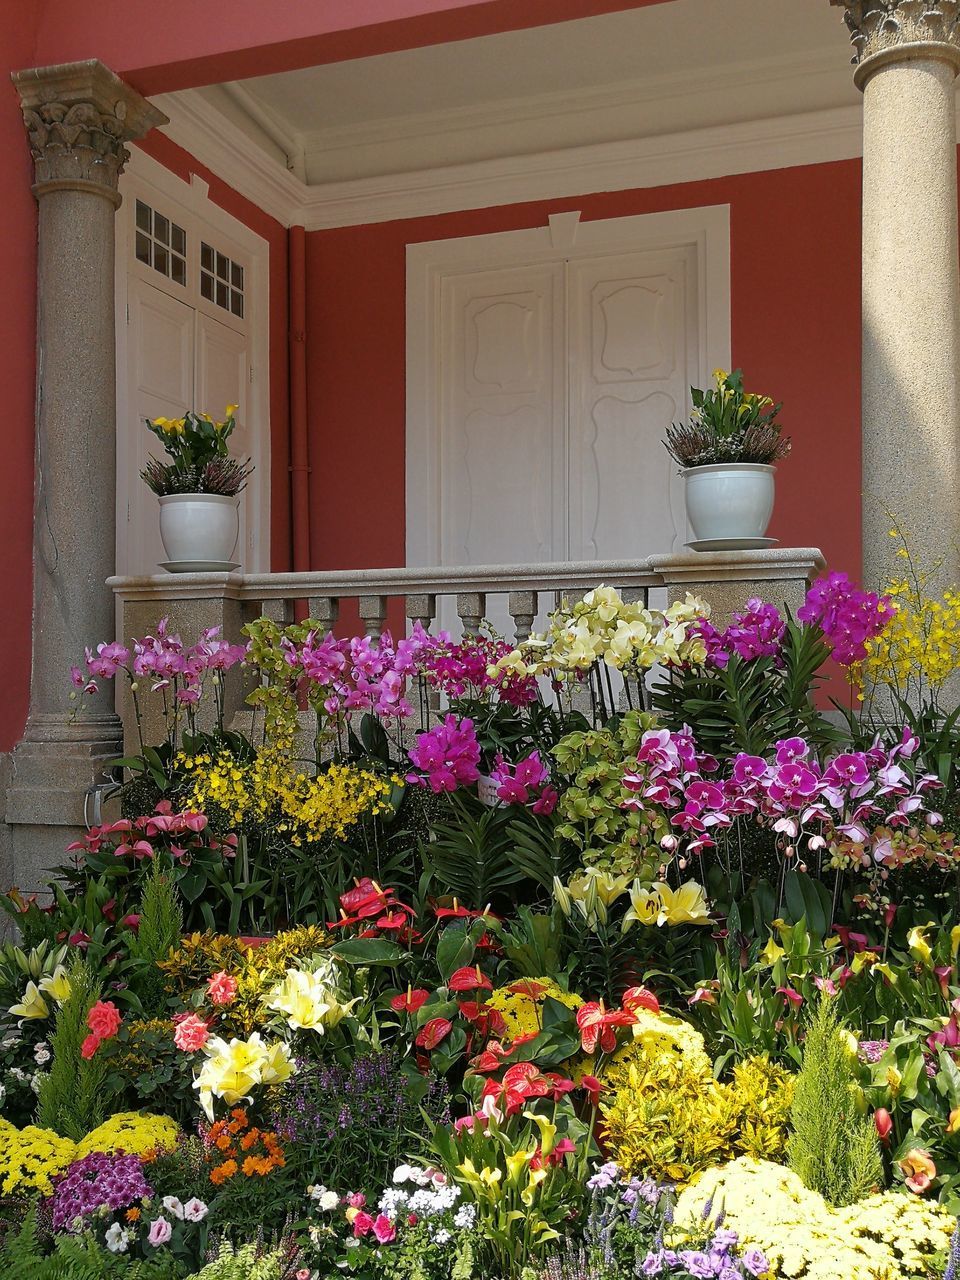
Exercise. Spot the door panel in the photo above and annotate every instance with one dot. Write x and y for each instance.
(222, 378)
(160, 353)
(632, 356)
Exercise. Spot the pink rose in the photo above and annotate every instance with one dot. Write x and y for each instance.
(190, 1033)
(384, 1229)
(222, 988)
(89, 1047)
(160, 1232)
(356, 1199)
(104, 1019)
(362, 1224)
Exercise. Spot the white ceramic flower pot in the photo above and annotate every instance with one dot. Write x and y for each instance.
(729, 499)
(198, 528)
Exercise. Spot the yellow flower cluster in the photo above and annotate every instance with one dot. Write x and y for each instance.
(919, 649)
(30, 1158)
(668, 1116)
(132, 1132)
(885, 1237)
(602, 627)
(521, 1004)
(267, 788)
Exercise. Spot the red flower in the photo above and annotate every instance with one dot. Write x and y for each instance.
(592, 1087)
(90, 1046)
(434, 1032)
(528, 987)
(410, 1001)
(104, 1019)
(599, 1024)
(884, 1124)
(640, 998)
(366, 899)
(559, 1085)
(790, 996)
(469, 979)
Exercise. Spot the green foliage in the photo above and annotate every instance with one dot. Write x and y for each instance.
(748, 706)
(590, 810)
(833, 1148)
(73, 1099)
(243, 1263)
(76, 1258)
(161, 924)
(472, 857)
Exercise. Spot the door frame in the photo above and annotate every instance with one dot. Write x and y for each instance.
(706, 229)
(147, 177)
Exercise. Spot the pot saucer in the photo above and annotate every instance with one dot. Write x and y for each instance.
(199, 566)
(732, 544)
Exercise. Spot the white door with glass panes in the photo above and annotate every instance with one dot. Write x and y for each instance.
(186, 343)
(542, 374)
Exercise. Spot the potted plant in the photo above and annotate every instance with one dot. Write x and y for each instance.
(726, 454)
(198, 489)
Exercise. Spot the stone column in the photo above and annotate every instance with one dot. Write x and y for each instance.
(77, 117)
(907, 54)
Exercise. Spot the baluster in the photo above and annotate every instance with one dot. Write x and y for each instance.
(373, 613)
(523, 609)
(422, 608)
(471, 607)
(325, 610)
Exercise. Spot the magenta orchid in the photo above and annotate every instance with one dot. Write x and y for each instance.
(448, 756)
(526, 783)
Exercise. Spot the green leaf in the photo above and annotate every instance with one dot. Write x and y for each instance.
(363, 951)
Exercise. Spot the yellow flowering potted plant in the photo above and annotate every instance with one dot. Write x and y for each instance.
(198, 487)
(727, 454)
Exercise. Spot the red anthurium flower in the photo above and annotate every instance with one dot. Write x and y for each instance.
(410, 1001)
(395, 920)
(526, 1078)
(559, 1085)
(528, 987)
(484, 1062)
(510, 1101)
(469, 979)
(434, 1032)
(597, 1024)
(640, 998)
(458, 912)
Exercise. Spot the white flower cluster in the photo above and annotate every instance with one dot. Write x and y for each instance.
(327, 1200)
(434, 1196)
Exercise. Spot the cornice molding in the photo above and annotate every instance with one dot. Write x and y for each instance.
(747, 147)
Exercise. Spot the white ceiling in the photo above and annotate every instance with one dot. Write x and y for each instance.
(661, 69)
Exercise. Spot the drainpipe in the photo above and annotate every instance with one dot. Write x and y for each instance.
(299, 448)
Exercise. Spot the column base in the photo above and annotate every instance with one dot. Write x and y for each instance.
(728, 579)
(51, 770)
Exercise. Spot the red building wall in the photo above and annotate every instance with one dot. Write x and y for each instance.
(795, 285)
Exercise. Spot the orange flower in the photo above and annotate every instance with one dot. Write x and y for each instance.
(240, 1115)
(223, 1142)
(918, 1169)
(251, 1166)
(222, 1172)
(133, 1215)
(249, 1138)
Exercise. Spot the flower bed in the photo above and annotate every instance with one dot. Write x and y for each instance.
(625, 961)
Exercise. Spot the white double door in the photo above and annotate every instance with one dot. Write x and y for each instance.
(179, 359)
(547, 389)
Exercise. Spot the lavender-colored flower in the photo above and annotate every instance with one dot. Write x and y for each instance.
(755, 1262)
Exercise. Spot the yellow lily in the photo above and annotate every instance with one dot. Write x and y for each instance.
(56, 985)
(686, 905)
(278, 1065)
(771, 953)
(32, 1005)
(645, 905)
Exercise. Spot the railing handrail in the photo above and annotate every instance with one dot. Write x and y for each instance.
(574, 575)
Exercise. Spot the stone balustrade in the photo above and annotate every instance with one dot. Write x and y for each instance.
(403, 596)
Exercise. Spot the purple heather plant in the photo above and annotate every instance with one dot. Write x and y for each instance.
(97, 1181)
(325, 1106)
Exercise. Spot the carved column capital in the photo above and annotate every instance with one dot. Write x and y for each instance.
(884, 31)
(78, 116)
